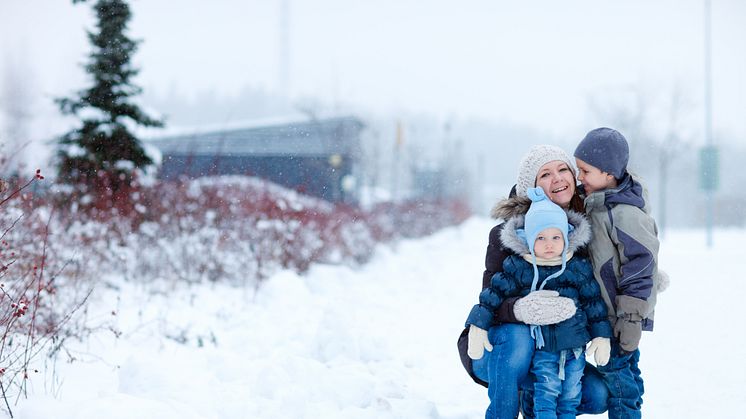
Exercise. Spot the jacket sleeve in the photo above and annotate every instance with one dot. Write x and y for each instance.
(502, 286)
(591, 302)
(493, 260)
(493, 263)
(636, 238)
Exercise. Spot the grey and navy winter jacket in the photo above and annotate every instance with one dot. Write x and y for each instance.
(576, 282)
(624, 250)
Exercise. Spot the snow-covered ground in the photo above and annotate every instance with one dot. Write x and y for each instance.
(378, 342)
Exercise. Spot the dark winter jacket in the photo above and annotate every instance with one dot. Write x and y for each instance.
(494, 258)
(576, 282)
(624, 249)
(497, 252)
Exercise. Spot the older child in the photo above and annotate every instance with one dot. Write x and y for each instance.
(544, 243)
(624, 253)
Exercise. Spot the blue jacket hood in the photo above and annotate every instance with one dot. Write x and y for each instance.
(629, 192)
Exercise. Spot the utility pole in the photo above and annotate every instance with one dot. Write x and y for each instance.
(284, 61)
(709, 153)
(399, 141)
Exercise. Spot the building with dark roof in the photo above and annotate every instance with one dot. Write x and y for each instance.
(316, 157)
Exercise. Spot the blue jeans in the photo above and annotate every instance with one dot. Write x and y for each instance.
(554, 397)
(594, 398)
(505, 368)
(622, 377)
(508, 365)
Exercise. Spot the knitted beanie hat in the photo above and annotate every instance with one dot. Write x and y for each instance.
(543, 214)
(536, 157)
(605, 149)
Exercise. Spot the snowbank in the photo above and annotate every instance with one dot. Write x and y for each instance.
(373, 342)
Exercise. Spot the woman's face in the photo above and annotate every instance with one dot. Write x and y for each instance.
(557, 180)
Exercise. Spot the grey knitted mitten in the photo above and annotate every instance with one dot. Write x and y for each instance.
(543, 307)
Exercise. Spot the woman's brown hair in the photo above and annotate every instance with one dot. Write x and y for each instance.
(576, 202)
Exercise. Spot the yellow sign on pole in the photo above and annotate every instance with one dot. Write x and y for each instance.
(399, 134)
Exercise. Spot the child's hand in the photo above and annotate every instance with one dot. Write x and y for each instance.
(478, 342)
(600, 348)
(628, 326)
(628, 330)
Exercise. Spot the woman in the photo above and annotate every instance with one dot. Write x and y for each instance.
(506, 366)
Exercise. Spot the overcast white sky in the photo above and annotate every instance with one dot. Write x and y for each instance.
(531, 62)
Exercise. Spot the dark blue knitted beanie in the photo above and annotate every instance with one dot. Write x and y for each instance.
(605, 149)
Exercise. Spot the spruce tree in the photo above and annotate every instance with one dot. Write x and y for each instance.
(103, 155)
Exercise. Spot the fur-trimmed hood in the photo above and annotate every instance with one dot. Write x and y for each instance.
(510, 207)
(577, 238)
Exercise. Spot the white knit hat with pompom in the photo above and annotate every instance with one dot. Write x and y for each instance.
(536, 157)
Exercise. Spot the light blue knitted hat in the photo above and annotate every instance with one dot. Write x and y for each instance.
(543, 214)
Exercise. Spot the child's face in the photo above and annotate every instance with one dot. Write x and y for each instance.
(549, 243)
(592, 178)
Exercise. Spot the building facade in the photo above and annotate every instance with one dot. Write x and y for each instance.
(317, 157)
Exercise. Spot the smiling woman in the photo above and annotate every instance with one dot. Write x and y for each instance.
(551, 169)
(558, 182)
(504, 367)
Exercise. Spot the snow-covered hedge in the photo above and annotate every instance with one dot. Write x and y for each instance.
(55, 249)
(240, 230)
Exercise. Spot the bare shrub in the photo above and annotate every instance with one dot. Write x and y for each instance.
(34, 314)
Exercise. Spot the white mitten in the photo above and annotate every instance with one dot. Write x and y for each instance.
(478, 342)
(543, 307)
(601, 350)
